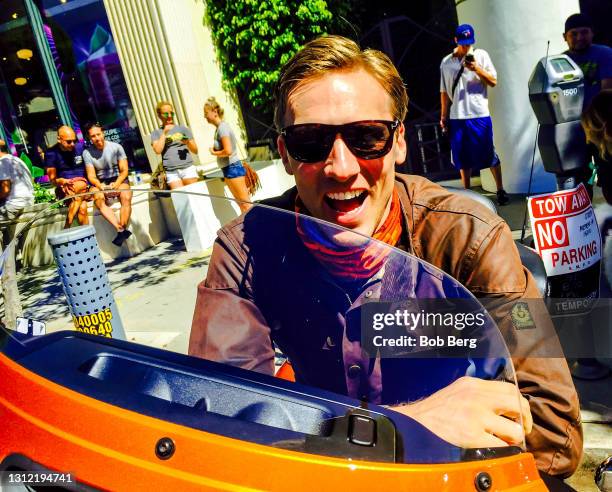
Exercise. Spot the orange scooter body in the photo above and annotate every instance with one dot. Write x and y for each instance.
(123, 416)
(107, 447)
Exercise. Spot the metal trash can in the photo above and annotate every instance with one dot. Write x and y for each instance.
(85, 282)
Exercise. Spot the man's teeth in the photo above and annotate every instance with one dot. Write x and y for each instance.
(347, 195)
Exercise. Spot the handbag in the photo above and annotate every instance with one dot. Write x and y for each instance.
(252, 179)
(158, 178)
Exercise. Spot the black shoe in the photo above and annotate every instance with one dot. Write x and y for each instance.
(502, 197)
(121, 237)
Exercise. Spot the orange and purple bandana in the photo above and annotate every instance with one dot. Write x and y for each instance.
(351, 263)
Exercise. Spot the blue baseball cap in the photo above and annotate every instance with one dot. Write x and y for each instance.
(465, 34)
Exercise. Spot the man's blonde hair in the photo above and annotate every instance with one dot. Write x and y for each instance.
(329, 53)
(597, 122)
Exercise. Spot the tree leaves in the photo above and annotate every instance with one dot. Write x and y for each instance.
(254, 38)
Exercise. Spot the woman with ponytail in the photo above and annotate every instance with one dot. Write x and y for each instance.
(240, 178)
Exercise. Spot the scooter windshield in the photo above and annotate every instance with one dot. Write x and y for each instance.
(271, 329)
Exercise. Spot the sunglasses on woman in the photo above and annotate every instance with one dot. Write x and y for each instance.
(312, 142)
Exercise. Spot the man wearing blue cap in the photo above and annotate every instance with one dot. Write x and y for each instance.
(465, 75)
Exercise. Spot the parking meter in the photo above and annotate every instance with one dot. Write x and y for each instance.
(556, 92)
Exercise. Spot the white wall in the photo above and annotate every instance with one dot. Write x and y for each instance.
(201, 216)
(515, 34)
(167, 53)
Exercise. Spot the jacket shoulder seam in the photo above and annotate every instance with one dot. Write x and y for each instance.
(494, 222)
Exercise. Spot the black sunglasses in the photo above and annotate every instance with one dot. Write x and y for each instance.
(312, 142)
(69, 141)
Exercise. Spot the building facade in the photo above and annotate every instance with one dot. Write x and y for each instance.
(108, 61)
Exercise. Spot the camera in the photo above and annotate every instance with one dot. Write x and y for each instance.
(469, 58)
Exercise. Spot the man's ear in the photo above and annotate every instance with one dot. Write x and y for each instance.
(401, 147)
(282, 150)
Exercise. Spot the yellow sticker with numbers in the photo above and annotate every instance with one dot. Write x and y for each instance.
(95, 323)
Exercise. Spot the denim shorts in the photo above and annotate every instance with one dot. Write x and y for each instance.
(234, 170)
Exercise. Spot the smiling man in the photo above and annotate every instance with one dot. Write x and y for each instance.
(340, 112)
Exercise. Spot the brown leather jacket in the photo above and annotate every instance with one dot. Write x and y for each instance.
(449, 231)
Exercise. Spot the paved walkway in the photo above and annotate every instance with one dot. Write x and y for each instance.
(155, 292)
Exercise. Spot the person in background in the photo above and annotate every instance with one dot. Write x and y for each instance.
(107, 169)
(465, 76)
(595, 60)
(64, 166)
(597, 123)
(16, 191)
(225, 149)
(175, 144)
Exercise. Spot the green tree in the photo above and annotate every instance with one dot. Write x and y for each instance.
(255, 37)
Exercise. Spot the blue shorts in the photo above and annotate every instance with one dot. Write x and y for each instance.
(234, 170)
(472, 143)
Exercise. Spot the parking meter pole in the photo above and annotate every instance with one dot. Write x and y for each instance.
(556, 92)
(85, 282)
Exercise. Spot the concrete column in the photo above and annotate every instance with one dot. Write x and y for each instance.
(515, 35)
(198, 75)
(167, 53)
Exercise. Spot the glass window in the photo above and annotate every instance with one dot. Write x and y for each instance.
(85, 60)
(88, 65)
(27, 109)
(561, 65)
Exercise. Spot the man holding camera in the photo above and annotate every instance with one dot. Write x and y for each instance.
(465, 75)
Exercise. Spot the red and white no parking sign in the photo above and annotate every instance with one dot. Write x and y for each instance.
(565, 230)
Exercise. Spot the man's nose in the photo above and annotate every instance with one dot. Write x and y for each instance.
(341, 162)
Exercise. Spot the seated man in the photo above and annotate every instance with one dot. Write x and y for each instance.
(107, 169)
(64, 166)
(339, 111)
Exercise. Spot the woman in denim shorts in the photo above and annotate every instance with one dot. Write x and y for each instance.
(227, 157)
